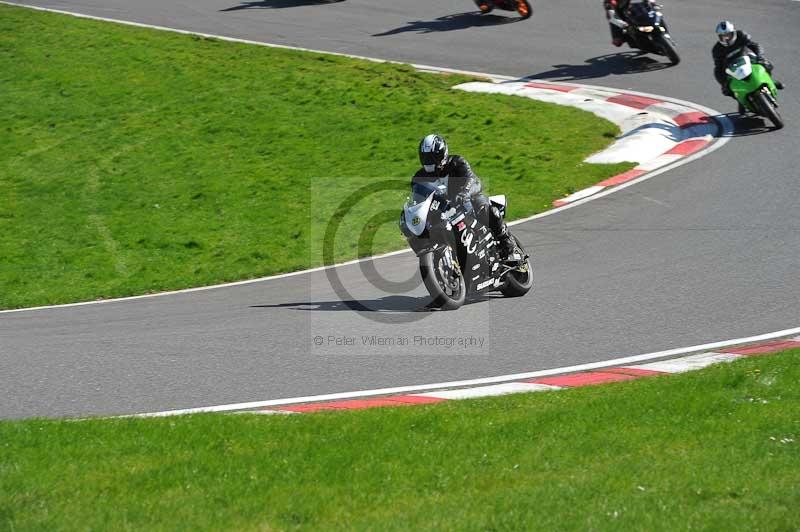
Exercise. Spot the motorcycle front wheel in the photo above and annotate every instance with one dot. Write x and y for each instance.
(519, 281)
(767, 109)
(443, 279)
(669, 49)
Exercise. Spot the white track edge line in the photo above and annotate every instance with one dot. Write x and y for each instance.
(718, 142)
(470, 382)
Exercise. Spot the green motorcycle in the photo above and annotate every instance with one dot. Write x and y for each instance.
(753, 87)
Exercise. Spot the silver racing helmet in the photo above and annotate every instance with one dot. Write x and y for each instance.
(433, 152)
(726, 33)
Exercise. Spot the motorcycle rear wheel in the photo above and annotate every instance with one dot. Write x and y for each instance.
(768, 110)
(446, 294)
(518, 282)
(524, 9)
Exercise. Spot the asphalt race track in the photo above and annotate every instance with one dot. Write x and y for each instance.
(705, 252)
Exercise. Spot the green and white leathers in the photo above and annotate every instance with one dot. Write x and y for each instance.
(753, 87)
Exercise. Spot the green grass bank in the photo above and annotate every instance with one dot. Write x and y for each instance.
(135, 161)
(717, 449)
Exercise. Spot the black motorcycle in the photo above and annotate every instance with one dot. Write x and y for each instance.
(458, 255)
(648, 31)
(523, 7)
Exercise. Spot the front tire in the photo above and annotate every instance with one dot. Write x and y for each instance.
(669, 49)
(520, 281)
(524, 9)
(767, 109)
(445, 285)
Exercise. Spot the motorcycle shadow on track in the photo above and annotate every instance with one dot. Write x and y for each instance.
(388, 304)
(747, 125)
(459, 21)
(277, 4)
(602, 66)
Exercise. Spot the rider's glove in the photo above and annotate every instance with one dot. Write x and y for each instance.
(726, 91)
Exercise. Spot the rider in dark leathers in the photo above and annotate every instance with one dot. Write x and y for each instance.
(733, 43)
(617, 15)
(463, 186)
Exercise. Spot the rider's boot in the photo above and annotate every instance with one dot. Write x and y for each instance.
(499, 229)
(507, 245)
(505, 242)
(617, 36)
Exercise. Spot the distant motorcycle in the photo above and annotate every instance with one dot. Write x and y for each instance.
(457, 253)
(523, 7)
(648, 31)
(754, 88)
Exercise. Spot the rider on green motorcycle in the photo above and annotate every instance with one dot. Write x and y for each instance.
(731, 44)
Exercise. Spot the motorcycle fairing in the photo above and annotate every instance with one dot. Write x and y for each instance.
(746, 77)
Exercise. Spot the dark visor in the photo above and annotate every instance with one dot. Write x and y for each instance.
(430, 158)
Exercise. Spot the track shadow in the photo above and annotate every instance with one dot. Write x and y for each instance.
(277, 4)
(747, 125)
(384, 304)
(669, 130)
(458, 21)
(602, 66)
(388, 304)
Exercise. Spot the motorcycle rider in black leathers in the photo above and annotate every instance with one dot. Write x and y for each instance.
(617, 15)
(463, 186)
(731, 44)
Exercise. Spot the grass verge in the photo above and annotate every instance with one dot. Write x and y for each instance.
(717, 449)
(135, 160)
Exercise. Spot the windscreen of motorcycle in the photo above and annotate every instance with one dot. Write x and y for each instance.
(740, 69)
(420, 190)
(415, 214)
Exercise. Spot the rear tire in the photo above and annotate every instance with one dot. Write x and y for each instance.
(669, 49)
(430, 270)
(524, 9)
(768, 110)
(518, 283)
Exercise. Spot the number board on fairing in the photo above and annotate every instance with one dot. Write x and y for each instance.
(477, 254)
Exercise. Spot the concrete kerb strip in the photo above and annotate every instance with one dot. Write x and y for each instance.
(656, 132)
(559, 382)
(480, 387)
(596, 192)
